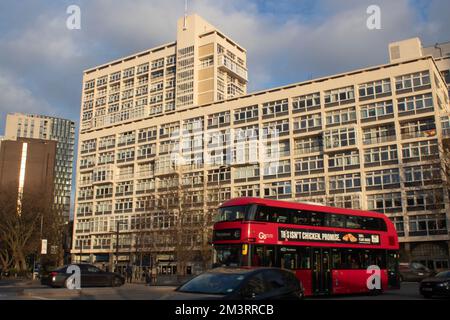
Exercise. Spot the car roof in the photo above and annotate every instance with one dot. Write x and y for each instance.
(240, 270)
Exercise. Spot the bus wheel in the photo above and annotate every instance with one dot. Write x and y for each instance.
(375, 292)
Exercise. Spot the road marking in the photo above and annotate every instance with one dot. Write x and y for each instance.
(41, 298)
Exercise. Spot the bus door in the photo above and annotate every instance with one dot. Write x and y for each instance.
(321, 271)
(392, 269)
(263, 256)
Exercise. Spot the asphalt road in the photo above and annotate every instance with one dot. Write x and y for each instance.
(17, 290)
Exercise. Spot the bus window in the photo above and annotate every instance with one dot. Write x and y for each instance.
(350, 259)
(317, 219)
(279, 215)
(354, 222)
(335, 221)
(263, 256)
(304, 258)
(228, 255)
(300, 217)
(237, 213)
(336, 259)
(288, 258)
(263, 214)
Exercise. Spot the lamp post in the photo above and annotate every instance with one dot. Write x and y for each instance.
(118, 223)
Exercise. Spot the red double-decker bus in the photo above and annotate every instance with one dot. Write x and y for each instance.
(329, 249)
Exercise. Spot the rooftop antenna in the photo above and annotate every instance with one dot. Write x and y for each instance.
(185, 14)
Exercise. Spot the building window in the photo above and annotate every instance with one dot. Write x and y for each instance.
(125, 155)
(345, 159)
(350, 201)
(169, 129)
(159, 63)
(274, 129)
(308, 145)
(278, 189)
(414, 80)
(219, 119)
(306, 103)
(345, 182)
(309, 186)
(247, 191)
(147, 134)
(379, 134)
(426, 225)
(399, 225)
(308, 122)
(338, 138)
(219, 175)
(339, 95)
(420, 151)
(88, 145)
(126, 138)
(342, 116)
(415, 103)
(385, 203)
(421, 200)
(247, 172)
(277, 168)
(309, 165)
(383, 179)
(372, 89)
(418, 128)
(377, 110)
(380, 155)
(275, 108)
(143, 68)
(423, 173)
(246, 114)
(127, 73)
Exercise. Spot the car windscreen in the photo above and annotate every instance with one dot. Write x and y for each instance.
(444, 274)
(213, 283)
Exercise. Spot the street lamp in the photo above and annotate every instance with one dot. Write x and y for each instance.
(118, 223)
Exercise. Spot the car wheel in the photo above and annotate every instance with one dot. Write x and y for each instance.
(117, 282)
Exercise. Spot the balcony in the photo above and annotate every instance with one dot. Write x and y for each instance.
(228, 65)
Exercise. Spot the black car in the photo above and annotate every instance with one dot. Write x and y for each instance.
(414, 272)
(91, 276)
(439, 285)
(240, 284)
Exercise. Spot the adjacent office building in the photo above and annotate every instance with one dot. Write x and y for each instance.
(366, 139)
(27, 168)
(19, 125)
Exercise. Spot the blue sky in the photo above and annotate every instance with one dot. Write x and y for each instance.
(41, 61)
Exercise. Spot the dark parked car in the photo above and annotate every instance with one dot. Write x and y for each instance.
(414, 272)
(91, 276)
(240, 284)
(439, 285)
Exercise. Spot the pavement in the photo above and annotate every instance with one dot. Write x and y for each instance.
(32, 290)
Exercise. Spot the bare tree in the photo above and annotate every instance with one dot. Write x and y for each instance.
(20, 226)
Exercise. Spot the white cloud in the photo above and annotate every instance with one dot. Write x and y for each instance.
(17, 98)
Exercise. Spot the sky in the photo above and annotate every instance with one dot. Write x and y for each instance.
(287, 41)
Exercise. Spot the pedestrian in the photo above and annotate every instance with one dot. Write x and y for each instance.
(147, 276)
(129, 272)
(154, 274)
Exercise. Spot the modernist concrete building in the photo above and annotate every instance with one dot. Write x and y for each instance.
(367, 139)
(50, 128)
